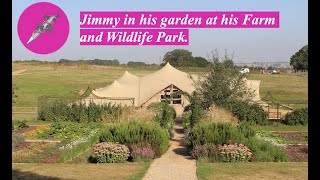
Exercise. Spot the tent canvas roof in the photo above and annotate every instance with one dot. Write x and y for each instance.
(144, 88)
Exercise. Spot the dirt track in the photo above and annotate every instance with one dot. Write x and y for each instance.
(18, 72)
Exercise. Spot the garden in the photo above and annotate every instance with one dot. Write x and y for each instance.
(126, 140)
(65, 138)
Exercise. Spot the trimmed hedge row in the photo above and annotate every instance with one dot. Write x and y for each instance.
(78, 112)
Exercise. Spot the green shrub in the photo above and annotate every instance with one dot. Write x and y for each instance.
(19, 125)
(78, 112)
(17, 140)
(224, 133)
(107, 152)
(137, 132)
(186, 120)
(265, 151)
(251, 113)
(196, 109)
(212, 133)
(246, 130)
(297, 117)
(165, 115)
(205, 153)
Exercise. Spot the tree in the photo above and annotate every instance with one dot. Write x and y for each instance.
(179, 57)
(223, 84)
(200, 62)
(136, 64)
(270, 68)
(299, 61)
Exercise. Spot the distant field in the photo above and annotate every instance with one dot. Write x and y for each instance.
(64, 80)
(252, 170)
(283, 87)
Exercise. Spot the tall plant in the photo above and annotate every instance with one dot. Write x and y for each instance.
(223, 83)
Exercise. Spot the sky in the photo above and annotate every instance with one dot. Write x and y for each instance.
(248, 45)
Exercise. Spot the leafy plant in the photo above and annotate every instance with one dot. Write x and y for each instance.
(244, 111)
(36, 132)
(107, 152)
(275, 139)
(215, 133)
(206, 152)
(196, 109)
(74, 148)
(223, 83)
(141, 152)
(135, 133)
(234, 153)
(19, 125)
(165, 115)
(17, 140)
(68, 130)
(297, 117)
(186, 120)
(225, 133)
(60, 110)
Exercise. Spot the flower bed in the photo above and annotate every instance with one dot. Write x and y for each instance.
(67, 131)
(31, 152)
(275, 139)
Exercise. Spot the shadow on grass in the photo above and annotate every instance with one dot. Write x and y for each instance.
(16, 174)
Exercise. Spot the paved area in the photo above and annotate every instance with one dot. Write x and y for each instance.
(175, 163)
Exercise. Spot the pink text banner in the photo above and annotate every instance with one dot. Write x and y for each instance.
(134, 37)
(145, 19)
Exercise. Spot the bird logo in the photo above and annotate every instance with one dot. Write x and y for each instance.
(41, 27)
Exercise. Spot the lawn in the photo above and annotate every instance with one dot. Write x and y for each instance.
(283, 87)
(261, 170)
(80, 171)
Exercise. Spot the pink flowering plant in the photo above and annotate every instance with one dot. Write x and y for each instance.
(108, 152)
(141, 152)
(234, 153)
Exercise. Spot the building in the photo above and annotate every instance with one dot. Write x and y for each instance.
(159, 86)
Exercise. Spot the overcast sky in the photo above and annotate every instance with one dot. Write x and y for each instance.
(248, 45)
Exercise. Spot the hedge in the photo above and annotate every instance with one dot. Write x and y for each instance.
(135, 133)
(297, 117)
(225, 133)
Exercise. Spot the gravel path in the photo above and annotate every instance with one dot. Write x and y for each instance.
(175, 163)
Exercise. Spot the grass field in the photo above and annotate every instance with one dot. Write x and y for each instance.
(252, 170)
(63, 80)
(283, 87)
(80, 171)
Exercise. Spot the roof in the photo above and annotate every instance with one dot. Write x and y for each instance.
(144, 88)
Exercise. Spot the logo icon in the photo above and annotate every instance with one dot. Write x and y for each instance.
(43, 28)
